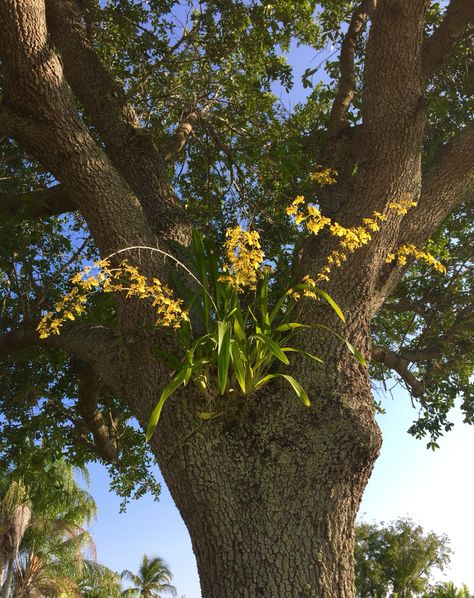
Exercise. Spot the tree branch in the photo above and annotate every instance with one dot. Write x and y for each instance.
(177, 142)
(40, 113)
(90, 386)
(130, 147)
(448, 182)
(95, 345)
(462, 325)
(399, 365)
(438, 48)
(405, 306)
(345, 91)
(392, 88)
(36, 204)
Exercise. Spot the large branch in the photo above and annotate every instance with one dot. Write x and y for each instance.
(448, 182)
(129, 146)
(345, 90)
(177, 142)
(438, 48)
(41, 114)
(393, 106)
(90, 386)
(36, 204)
(96, 345)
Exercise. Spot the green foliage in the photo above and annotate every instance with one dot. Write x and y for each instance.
(397, 559)
(448, 590)
(432, 317)
(46, 514)
(245, 336)
(37, 259)
(153, 578)
(97, 581)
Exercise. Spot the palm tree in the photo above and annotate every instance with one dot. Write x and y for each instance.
(449, 590)
(154, 577)
(42, 536)
(98, 581)
(15, 516)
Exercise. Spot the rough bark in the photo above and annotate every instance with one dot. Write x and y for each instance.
(270, 492)
(457, 22)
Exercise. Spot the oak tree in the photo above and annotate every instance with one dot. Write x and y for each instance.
(127, 123)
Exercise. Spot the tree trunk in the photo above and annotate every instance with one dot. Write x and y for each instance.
(270, 491)
(8, 578)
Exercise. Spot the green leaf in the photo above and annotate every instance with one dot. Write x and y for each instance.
(287, 349)
(263, 300)
(223, 354)
(329, 299)
(202, 269)
(357, 354)
(176, 381)
(331, 302)
(272, 347)
(277, 307)
(238, 364)
(299, 390)
(290, 326)
(239, 329)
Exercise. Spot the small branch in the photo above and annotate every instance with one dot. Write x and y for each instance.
(177, 142)
(405, 306)
(438, 48)
(395, 362)
(36, 204)
(345, 91)
(463, 324)
(90, 386)
(95, 345)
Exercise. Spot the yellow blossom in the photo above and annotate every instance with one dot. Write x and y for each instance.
(244, 258)
(125, 278)
(406, 251)
(324, 176)
(403, 205)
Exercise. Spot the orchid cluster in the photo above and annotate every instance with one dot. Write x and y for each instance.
(124, 278)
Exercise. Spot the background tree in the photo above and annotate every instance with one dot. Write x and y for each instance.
(98, 581)
(448, 590)
(122, 128)
(152, 580)
(397, 559)
(43, 538)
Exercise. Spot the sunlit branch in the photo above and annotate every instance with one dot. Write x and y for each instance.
(345, 91)
(90, 386)
(399, 365)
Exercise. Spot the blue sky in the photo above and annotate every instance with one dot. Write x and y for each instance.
(434, 488)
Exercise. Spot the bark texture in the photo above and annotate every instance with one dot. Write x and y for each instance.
(270, 492)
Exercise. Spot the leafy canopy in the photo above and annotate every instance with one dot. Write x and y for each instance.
(228, 62)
